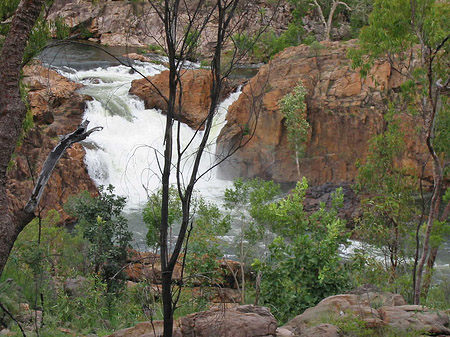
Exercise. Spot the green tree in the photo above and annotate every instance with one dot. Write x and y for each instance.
(413, 35)
(152, 215)
(103, 225)
(303, 264)
(206, 247)
(248, 205)
(388, 204)
(293, 108)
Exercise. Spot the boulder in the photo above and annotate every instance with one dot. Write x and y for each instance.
(57, 109)
(344, 111)
(375, 309)
(241, 321)
(416, 317)
(195, 96)
(146, 266)
(75, 287)
(321, 330)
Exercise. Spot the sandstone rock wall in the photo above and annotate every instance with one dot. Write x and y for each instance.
(136, 24)
(196, 99)
(57, 110)
(343, 109)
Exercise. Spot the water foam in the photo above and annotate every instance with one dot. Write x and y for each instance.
(127, 153)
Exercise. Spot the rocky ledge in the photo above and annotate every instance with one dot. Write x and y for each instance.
(343, 110)
(373, 310)
(57, 109)
(196, 99)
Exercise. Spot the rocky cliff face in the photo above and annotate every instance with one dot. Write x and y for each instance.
(343, 109)
(136, 24)
(57, 110)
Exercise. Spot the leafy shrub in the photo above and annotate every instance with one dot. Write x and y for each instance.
(102, 224)
(303, 264)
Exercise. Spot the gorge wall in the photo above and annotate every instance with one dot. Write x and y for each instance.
(343, 110)
(57, 110)
(136, 24)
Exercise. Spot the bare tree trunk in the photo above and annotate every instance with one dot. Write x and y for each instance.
(328, 23)
(23, 216)
(180, 38)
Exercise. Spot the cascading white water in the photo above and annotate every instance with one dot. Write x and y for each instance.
(127, 153)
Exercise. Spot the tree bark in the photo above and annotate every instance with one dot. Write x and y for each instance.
(12, 113)
(430, 109)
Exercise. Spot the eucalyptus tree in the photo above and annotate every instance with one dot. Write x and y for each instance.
(413, 36)
(293, 108)
(326, 11)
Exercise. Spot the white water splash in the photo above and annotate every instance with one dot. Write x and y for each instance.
(127, 153)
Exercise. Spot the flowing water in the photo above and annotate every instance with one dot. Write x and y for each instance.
(127, 153)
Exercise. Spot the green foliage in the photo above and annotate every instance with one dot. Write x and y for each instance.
(442, 132)
(41, 30)
(262, 48)
(38, 39)
(439, 296)
(40, 268)
(389, 31)
(102, 224)
(303, 264)
(205, 64)
(152, 49)
(356, 18)
(7, 9)
(243, 42)
(414, 35)
(205, 246)
(152, 214)
(388, 213)
(351, 325)
(61, 29)
(293, 109)
(248, 204)
(192, 43)
(33, 255)
(28, 122)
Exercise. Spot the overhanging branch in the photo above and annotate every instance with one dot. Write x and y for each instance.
(66, 141)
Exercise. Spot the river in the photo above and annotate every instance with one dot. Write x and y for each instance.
(125, 153)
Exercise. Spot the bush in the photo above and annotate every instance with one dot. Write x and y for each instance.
(303, 264)
(102, 224)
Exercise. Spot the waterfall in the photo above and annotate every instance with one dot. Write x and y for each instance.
(127, 153)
